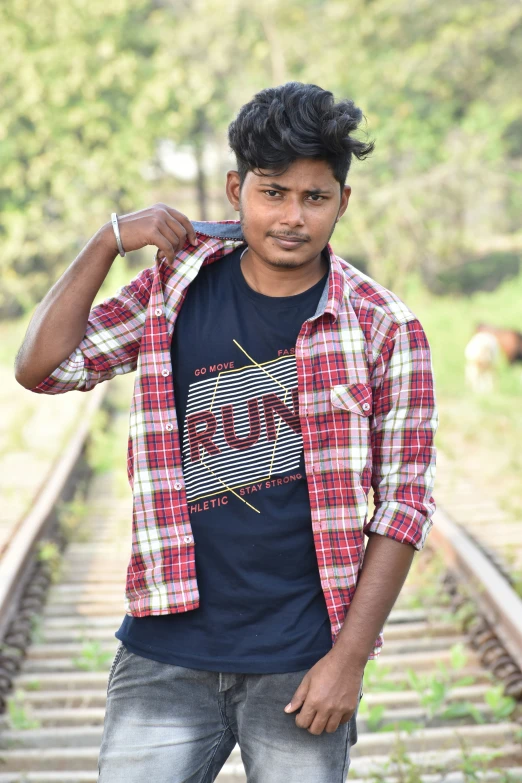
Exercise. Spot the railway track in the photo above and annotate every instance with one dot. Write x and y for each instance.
(494, 529)
(442, 703)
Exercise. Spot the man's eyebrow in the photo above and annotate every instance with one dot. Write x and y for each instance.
(312, 192)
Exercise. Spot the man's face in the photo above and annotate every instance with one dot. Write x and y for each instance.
(305, 202)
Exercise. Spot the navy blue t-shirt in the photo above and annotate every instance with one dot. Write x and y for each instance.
(262, 608)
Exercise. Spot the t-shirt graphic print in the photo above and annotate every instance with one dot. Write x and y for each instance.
(242, 427)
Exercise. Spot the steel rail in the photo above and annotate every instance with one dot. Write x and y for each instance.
(20, 550)
(498, 601)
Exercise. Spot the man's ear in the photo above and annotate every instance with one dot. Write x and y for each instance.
(233, 188)
(345, 197)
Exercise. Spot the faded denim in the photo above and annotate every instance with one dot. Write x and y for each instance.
(171, 724)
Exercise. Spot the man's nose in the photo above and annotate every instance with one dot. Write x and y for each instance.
(293, 213)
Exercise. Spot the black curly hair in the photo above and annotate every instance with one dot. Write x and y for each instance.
(296, 120)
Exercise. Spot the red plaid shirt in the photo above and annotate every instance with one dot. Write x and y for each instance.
(366, 406)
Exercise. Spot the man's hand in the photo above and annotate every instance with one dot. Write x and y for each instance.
(160, 225)
(328, 695)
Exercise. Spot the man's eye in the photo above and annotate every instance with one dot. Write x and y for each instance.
(314, 195)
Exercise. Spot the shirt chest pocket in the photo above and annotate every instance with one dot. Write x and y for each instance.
(352, 407)
(356, 398)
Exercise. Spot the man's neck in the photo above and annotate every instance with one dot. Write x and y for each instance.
(281, 281)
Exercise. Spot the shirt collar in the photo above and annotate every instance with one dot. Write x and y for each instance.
(333, 292)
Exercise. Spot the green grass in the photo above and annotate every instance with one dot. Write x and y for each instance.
(481, 433)
(449, 322)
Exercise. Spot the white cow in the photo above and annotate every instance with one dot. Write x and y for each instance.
(482, 353)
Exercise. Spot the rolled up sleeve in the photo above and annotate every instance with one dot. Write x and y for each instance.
(111, 342)
(403, 428)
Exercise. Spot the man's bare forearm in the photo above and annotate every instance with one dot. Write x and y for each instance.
(59, 322)
(385, 568)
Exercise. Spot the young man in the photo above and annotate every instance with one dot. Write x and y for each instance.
(275, 385)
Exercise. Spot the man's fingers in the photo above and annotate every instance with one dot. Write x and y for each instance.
(166, 249)
(175, 233)
(172, 237)
(306, 717)
(182, 219)
(310, 721)
(318, 724)
(332, 724)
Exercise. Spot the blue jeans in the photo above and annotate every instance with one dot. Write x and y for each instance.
(171, 724)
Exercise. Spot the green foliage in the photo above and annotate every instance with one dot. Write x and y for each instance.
(434, 688)
(92, 658)
(374, 717)
(72, 515)
(399, 764)
(375, 674)
(90, 92)
(473, 765)
(482, 274)
(409, 726)
(49, 552)
(440, 96)
(18, 714)
(501, 706)
(464, 612)
(69, 150)
(427, 573)
(33, 685)
(37, 629)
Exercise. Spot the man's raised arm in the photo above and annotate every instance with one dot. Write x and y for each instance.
(69, 346)
(59, 322)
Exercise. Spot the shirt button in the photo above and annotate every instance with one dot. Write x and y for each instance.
(157, 311)
(169, 426)
(187, 539)
(177, 485)
(366, 406)
(164, 372)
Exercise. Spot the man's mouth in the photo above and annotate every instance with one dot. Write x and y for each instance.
(289, 242)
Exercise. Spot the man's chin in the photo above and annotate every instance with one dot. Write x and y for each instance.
(284, 263)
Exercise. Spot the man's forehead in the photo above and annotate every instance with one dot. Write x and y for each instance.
(314, 181)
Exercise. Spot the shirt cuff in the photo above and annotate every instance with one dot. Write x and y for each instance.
(70, 375)
(402, 523)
